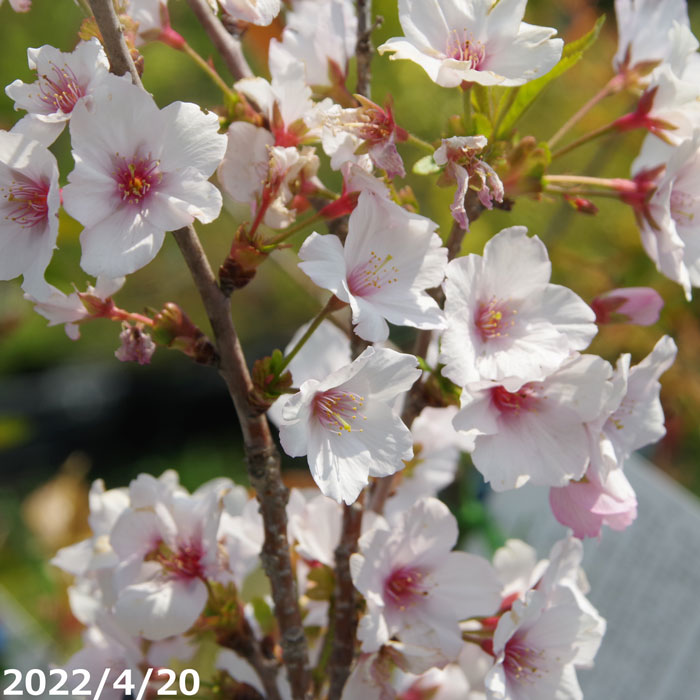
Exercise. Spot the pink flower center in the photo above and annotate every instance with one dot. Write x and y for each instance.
(136, 178)
(463, 47)
(512, 403)
(62, 90)
(27, 201)
(185, 563)
(337, 410)
(521, 661)
(493, 319)
(405, 587)
(369, 277)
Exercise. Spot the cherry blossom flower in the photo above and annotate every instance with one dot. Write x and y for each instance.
(260, 12)
(505, 321)
(536, 433)
(644, 29)
(29, 202)
(136, 345)
(416, 588)
(537, 648)
(588, 504)
(389, 260)
(326, 351)
(167, 543)
(474, 41)
(140, 172)
(20, 5)
(63, 80)
(57, 307)
(321, 35)
(346, 425)
(464, 167)
(668, 219)
(258, 173)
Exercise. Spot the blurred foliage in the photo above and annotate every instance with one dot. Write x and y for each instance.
(589, 254)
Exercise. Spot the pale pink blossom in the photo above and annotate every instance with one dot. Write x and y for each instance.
(322, 35)
(536, 433)
(139, 172)
(20, 5)
(29, 203)
(670, 217)
(260, 12)
(346, 424)
(256, 172)
(474, 41)
(638, 305)
(459, 156)
(58, 307)
(63, 80)
(588, 504)
(389, 260)
(505, 321)
(537, 648)
(644, 30)
(416, 588)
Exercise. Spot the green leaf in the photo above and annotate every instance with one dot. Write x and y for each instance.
(529, 92)
(426, 166)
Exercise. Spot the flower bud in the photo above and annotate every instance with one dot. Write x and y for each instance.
(242, 262)
(638, 305)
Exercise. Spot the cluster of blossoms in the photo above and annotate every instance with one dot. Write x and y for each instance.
(500, 370)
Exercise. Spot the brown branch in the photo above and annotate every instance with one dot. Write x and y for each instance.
(262, 457)
(120, 60)
(228, 47)
(345, 597)
(363, 48)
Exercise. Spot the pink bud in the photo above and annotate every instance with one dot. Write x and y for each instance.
(136, 346)
(638, 305)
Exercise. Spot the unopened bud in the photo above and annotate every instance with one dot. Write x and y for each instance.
(242, 262)
(582, 205)
(639, 305)
(269, 381)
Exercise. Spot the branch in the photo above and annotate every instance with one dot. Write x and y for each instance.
(120, 60)
(345, 620)
(363, 48)
(262, 457)
(228, 47)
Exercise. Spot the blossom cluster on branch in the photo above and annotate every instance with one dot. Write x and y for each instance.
(368, 594)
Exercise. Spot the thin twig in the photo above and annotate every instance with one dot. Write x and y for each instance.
(262, 456)
(345, 613)
(120, 60)
(228, 47)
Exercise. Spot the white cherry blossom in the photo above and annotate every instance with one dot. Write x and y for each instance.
(20, 5)
(260, 12)
(29, 203)
(536, 433)
(416, 587)
(669, 219)
(140, 172)
(505, 321)
(474, 41)
(346, 424)
(63, 80)
(390, 259)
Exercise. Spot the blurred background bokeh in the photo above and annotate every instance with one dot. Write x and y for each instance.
(70, 412)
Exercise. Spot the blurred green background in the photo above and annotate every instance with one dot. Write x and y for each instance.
(70, 412)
